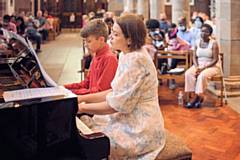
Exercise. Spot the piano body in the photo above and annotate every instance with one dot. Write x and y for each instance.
(39, 128)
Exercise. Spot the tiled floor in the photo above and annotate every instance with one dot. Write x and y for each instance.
(61, 58)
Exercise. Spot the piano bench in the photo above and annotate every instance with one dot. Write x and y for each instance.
(175, 149)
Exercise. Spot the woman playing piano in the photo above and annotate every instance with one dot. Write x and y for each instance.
(135, 123)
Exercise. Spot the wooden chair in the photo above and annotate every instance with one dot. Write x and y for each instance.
(184, 55)
(220, 78)
(83, 72)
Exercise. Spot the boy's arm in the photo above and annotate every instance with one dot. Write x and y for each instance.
(107, 75)
(82, 84)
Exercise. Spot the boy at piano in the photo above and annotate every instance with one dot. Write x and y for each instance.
(104, 62)
(135, 124)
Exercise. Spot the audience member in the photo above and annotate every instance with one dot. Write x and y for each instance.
(175, 43)
(164, 24)
(196, 29)
(42, 25)
(9, 25)
(135, 126)
(20, 26)
(206, 65)
(183, 31)
(32, 33)
(104, 62)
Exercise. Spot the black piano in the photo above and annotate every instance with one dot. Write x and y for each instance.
(43, 128)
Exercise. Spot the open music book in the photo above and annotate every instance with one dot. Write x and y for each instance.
(34, 93)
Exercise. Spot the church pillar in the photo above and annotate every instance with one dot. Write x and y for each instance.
(180, 8)
(143, 8)
(129, 6)
(39, 5)
(115, 6)
(32, 6)
(228, 22)
(156, 7)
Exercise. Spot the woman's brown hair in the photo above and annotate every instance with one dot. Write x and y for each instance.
(134, 29)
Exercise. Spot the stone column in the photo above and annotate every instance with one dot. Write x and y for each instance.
(39, 5)
(156, 7)
(180, 8)
(228, 33)
(143, 8)
(116, 6)
(129, 6)
(32, 7)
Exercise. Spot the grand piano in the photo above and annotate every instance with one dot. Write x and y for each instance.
(41, 128)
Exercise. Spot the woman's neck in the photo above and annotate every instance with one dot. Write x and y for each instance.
(206, 40)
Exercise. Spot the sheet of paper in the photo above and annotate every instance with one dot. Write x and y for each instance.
(33, 93)
(82, 127)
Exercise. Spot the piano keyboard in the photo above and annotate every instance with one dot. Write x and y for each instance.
(83, 128)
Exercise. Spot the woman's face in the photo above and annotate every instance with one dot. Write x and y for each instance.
(117, 39)
(205, 33)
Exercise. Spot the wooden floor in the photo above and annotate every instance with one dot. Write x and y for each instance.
(213, 133)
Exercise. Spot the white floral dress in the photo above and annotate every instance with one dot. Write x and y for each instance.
(136, 131)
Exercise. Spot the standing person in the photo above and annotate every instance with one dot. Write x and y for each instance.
(135, 126)
(205, 61)
(72, 20)
(104, 62)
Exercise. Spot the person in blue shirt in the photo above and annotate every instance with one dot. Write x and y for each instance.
(183, 31)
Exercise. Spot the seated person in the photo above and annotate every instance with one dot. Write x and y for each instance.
(42, 25)
(175, 43)
(32, 33)
(183, 31)
(135, 126)
(104, 62)
(8, 25)
(157, 39)
(206, 65)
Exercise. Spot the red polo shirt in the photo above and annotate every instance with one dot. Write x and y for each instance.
(101, 74)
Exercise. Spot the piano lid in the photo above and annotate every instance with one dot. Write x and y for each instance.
(19, 65)
(21, 57)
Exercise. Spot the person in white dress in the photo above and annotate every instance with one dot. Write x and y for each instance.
(135, 123)
(205, 65)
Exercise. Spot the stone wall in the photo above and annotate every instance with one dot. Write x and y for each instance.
(228, 23)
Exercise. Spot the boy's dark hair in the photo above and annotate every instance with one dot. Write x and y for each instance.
(134, 29)
(95, 27)
(209, 28)
(152, 24)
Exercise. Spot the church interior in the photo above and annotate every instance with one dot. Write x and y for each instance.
(43, 45)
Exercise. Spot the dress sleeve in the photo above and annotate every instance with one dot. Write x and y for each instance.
(127, 87)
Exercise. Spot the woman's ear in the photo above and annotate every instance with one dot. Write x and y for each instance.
(129, 42)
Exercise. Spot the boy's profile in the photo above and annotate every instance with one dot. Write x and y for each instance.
(104, 62)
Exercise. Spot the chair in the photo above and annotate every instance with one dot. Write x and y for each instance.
(185, 55)
(220, 78)
(83, 70)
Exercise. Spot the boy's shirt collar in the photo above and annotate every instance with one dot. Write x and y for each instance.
(102, 51)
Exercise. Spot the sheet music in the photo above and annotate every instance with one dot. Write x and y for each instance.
(82, 127)
(33, 93)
